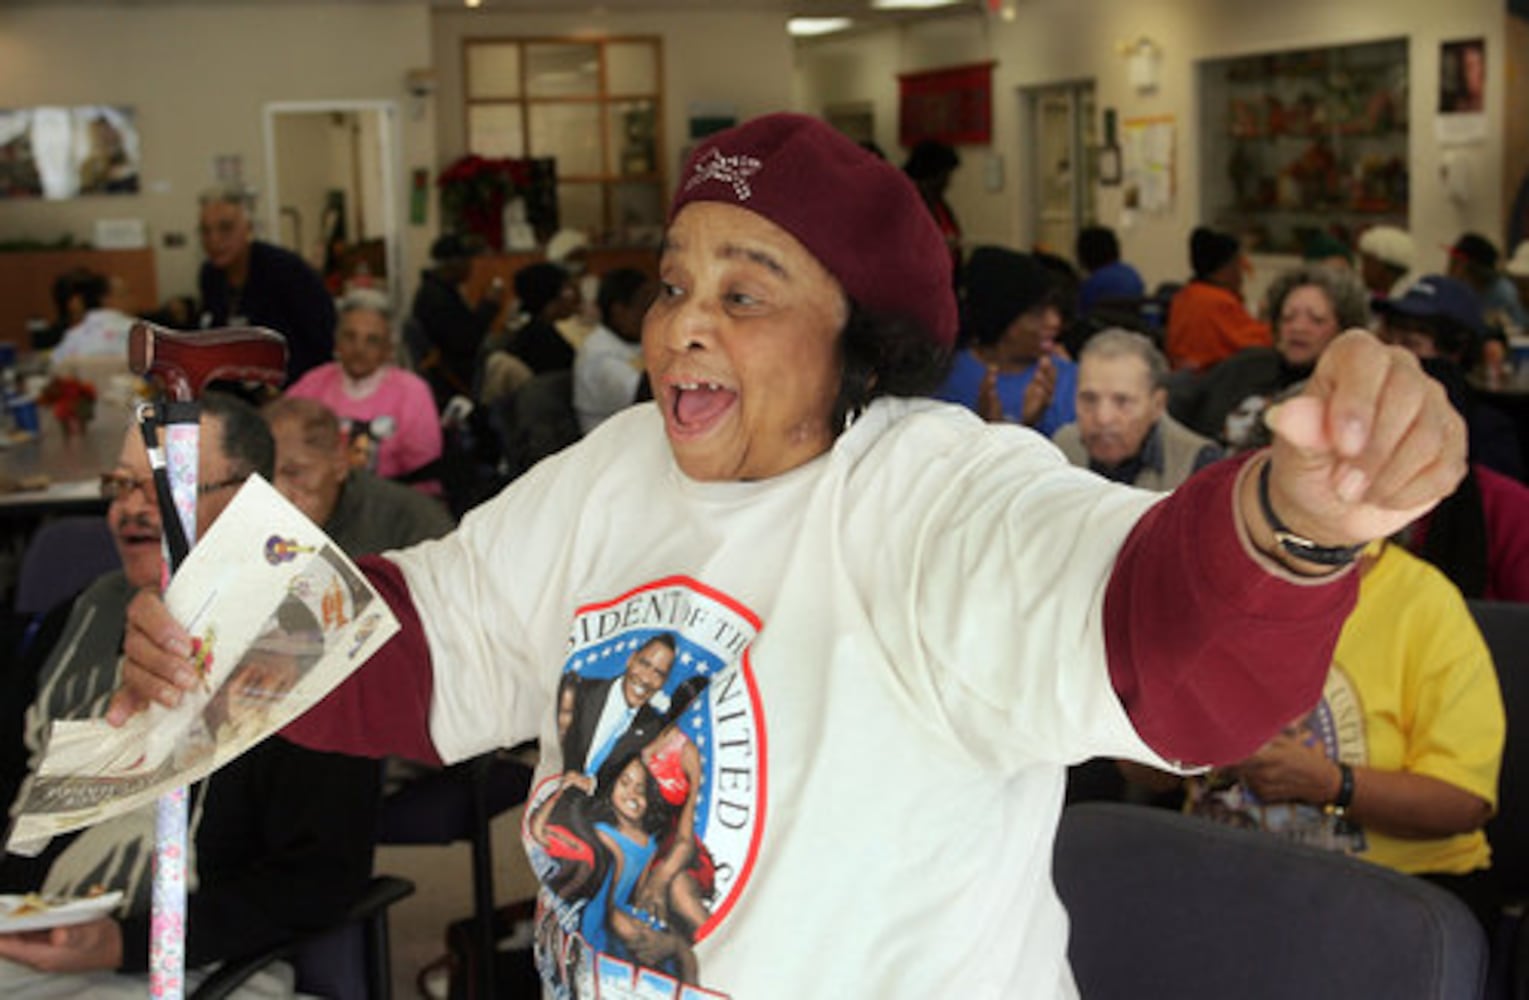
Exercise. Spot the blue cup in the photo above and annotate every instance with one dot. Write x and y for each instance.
(24, 413)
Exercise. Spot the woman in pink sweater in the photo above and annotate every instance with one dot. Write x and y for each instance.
(389, 413)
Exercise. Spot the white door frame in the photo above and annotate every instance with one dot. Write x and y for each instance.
(388, 136)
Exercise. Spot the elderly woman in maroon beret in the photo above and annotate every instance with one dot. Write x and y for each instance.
(895, 624)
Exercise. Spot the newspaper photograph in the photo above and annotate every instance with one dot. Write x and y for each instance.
(278, 617)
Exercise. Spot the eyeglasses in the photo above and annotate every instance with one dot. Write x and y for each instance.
(202, 489)
(115, 486)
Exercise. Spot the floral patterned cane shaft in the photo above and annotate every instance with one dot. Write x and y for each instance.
(167, 923)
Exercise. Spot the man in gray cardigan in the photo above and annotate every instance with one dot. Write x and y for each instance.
(1123, 430)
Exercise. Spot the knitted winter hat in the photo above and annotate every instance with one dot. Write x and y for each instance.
(1209, 251)
(858, 215)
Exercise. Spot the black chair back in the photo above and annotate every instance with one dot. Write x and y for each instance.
(1167, 905)
(1505, 627)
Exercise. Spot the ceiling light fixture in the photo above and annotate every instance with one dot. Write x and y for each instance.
(474, 4)
(805, 27)
(911, 4)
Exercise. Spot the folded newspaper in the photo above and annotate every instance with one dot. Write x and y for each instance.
(278, 617)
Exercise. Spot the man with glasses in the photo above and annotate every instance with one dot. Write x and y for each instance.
(282, 837)
(248, 282)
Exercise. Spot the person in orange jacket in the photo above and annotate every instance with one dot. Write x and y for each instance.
(1207, 322)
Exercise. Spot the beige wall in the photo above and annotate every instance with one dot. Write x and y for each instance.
(199, 77)
(1067, 40)
(743, 58)
(305, 177)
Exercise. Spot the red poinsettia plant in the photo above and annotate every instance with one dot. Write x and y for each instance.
(474, 190)
(72, 400)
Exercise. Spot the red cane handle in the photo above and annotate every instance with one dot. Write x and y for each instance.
(185, 362)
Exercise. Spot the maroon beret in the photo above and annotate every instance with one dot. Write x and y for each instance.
(857, 214)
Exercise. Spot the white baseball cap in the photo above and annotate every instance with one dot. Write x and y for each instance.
(1518, 264)
(1389, 245)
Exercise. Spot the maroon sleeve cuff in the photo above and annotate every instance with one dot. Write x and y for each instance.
(1213, 648)
(384, 707)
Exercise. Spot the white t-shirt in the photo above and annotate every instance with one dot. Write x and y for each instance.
(102, 333)
(902, 649)
(605, 376)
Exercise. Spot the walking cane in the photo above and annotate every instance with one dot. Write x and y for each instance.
(182, 365)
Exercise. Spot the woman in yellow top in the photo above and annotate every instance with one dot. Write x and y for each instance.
(1398, 762)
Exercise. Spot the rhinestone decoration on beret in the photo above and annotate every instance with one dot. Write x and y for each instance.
(734, 170)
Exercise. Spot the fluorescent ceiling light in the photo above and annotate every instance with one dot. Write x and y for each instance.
(802, 27)
(911, 4)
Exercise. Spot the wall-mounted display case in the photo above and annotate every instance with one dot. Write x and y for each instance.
(1304, 142)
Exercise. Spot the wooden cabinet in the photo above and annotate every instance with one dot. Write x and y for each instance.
(26, 284)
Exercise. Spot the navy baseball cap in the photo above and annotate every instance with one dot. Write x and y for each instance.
(1435, 296)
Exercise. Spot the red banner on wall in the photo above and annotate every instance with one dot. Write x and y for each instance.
(952, 105)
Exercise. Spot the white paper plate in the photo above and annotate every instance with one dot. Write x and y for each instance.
(59, 914)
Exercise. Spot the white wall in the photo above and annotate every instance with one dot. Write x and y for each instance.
(306, 168)
(199, 77)
(1053, 41)
(742, 57)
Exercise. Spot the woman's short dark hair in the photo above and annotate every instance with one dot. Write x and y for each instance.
(620, 286)
(929, 158)
(1097, 247)
(885, 357)
(91, 287)
(246, 439)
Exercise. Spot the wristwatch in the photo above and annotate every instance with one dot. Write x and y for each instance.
(1345, 797)
(1298, 545)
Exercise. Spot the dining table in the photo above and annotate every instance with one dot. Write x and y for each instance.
(53, 473)
(54, 470)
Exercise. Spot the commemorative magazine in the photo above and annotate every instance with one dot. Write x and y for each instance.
(278, 617)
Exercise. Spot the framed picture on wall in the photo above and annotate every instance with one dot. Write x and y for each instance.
(66, 152)
(953, 105)
(1462, 76)
(1462, 92)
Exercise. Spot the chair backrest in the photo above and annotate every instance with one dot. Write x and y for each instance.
(457, 803)
(348, 961)
(539, 420)
(1167, 905)
(63, 556)
(1505, 627)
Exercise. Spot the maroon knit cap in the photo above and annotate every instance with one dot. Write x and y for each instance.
(857, 214)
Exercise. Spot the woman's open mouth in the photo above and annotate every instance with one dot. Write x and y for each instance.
(695, 407)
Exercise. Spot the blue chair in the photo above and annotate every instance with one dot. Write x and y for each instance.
(1168, 905)
(63, 556)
